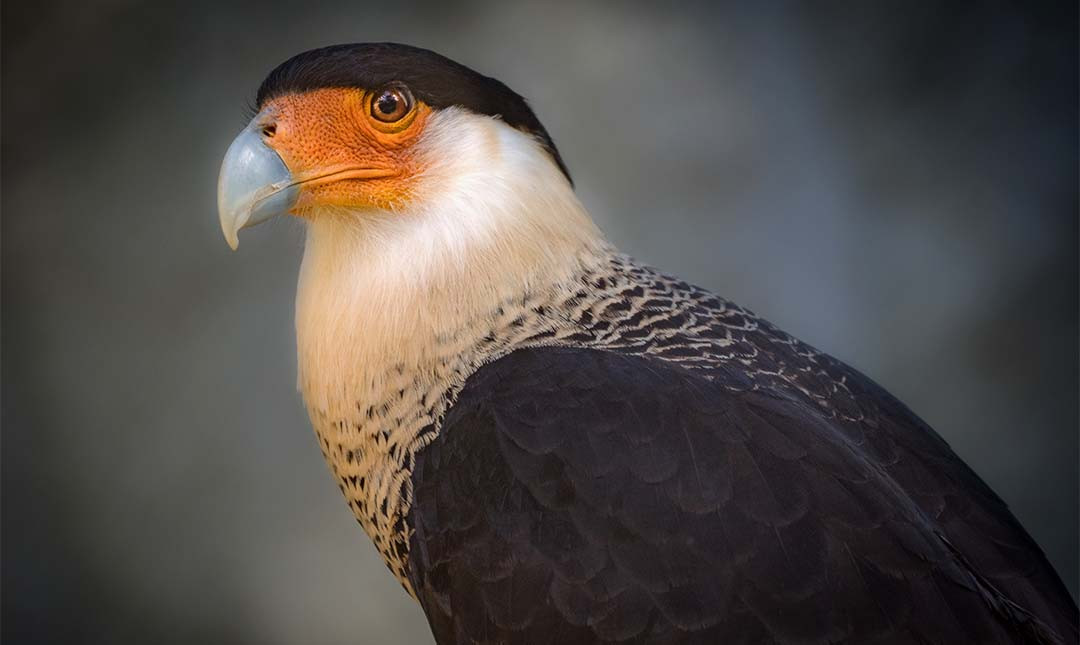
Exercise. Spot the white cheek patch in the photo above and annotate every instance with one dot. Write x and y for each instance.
(490, 213)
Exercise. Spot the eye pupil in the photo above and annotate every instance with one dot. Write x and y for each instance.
(391, 105)
(388, 103)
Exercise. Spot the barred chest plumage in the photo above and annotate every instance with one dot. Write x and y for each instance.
(609, 303)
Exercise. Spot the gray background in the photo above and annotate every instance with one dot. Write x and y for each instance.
(895, 184)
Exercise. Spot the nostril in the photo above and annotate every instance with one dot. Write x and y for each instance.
(269, 130)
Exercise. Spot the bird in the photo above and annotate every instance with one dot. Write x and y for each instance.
(548, 441)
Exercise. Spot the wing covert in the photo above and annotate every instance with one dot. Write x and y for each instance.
(587, 496)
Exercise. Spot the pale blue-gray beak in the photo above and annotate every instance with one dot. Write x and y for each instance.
(254, 185)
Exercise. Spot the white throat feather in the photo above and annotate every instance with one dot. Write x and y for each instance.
(492, 218)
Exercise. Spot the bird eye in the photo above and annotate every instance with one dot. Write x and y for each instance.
(391, 104)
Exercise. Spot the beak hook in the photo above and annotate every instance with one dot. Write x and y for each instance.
(254, 185)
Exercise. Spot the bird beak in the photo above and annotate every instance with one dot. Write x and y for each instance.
(254, 185)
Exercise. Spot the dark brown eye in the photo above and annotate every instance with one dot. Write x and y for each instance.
(391, 104)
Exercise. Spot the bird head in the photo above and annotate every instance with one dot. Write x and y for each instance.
(372, 128)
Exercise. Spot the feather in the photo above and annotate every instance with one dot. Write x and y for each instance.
(728, 514)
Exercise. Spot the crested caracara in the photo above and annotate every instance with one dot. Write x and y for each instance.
(549, 442)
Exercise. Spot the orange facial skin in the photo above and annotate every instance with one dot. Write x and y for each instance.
(339, 153)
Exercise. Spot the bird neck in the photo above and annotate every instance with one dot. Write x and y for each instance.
(381, 292)
(395, 311)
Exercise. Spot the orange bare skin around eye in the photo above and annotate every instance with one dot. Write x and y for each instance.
(339, 153)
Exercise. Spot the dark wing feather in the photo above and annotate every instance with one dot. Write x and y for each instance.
(579, 496)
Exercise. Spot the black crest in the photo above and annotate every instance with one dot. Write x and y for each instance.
(434, 79)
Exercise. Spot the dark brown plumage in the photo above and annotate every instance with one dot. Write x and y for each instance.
(654, 491)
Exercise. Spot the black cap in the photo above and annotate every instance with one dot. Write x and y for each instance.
(433, 79)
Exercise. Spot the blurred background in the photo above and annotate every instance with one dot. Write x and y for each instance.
(895, 183)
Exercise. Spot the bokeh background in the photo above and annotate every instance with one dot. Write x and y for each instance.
(895, 183)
